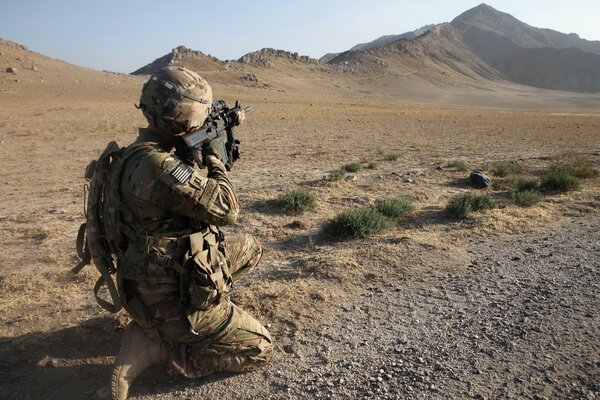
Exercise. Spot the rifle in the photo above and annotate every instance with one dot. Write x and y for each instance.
(219, 125)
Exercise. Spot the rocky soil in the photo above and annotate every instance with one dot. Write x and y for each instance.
(521, 322)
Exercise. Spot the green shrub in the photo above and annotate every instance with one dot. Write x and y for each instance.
(526, 198)
(559, 182)
(460, 205)
(297, 201)
(395, 207)
(507, 168)
(392, 157)
(573, 164)
(459, 165)
(357, 223)
(337, 175)
(523, 184)
(352, 167)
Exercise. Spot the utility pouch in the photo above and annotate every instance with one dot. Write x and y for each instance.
(210, 279)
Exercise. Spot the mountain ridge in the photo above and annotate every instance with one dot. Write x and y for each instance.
(486, 18)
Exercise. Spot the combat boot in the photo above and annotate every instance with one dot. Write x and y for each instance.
(138, 352)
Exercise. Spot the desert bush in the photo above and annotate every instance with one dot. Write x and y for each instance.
(507, 168)
(573, 164)
(395, 207)
(297, 201)
(526, 198)
(357, 223)
(337, 175)
(459, 165)
(462, 204)
(392, 156)
(523, 184)
(352, 167)
(559, 181)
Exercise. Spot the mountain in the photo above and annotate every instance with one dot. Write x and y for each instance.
(437, 55)
(484, 18)
(528, 55)
(382, 40)
(181, 56)
(482, 43)
(478, 45)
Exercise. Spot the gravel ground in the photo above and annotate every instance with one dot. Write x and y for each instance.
(521, 322)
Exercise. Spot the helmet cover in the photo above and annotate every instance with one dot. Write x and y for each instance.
(176, 99)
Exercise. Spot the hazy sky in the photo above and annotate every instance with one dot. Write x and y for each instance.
(125, 35)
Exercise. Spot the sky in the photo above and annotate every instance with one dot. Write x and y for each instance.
(124, 35)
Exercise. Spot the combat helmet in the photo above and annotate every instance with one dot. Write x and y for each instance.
(175, 99)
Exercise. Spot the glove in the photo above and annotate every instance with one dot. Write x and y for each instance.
(213, 148)
(240, 116)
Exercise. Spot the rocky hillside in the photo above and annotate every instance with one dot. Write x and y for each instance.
(383, 40)
(23, 71)
(267, 56)
(484, 18)
(181, 56)
(482, 43)
(528, 55)
(380, 41)
(438, 54)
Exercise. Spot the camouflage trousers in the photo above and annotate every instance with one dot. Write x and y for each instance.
(224, 337)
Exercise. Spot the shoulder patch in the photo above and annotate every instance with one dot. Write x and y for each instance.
(182, 173)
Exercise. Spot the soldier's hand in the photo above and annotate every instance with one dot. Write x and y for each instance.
(213, 148)
(240, 116)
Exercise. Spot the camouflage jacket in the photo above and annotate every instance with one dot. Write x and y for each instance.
(170, 197)
(164, 199)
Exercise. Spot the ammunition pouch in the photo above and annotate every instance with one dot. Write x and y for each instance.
(209, 277)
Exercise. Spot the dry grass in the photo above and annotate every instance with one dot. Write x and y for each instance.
(45, 301)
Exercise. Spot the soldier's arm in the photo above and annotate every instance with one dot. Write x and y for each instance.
(171, 184)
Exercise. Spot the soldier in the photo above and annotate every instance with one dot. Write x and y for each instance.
(175, 266)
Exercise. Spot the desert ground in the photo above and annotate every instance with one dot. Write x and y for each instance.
(502, 304)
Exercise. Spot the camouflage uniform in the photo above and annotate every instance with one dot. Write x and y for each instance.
(164, 203)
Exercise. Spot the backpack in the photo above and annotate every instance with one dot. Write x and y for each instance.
(92, 243)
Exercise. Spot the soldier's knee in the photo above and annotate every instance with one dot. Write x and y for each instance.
(252, 253)
(257, 251)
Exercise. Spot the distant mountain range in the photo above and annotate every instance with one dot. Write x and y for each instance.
(481, 43)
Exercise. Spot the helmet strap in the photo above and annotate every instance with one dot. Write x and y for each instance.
(177, 90)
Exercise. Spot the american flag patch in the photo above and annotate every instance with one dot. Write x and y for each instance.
(182, 173)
